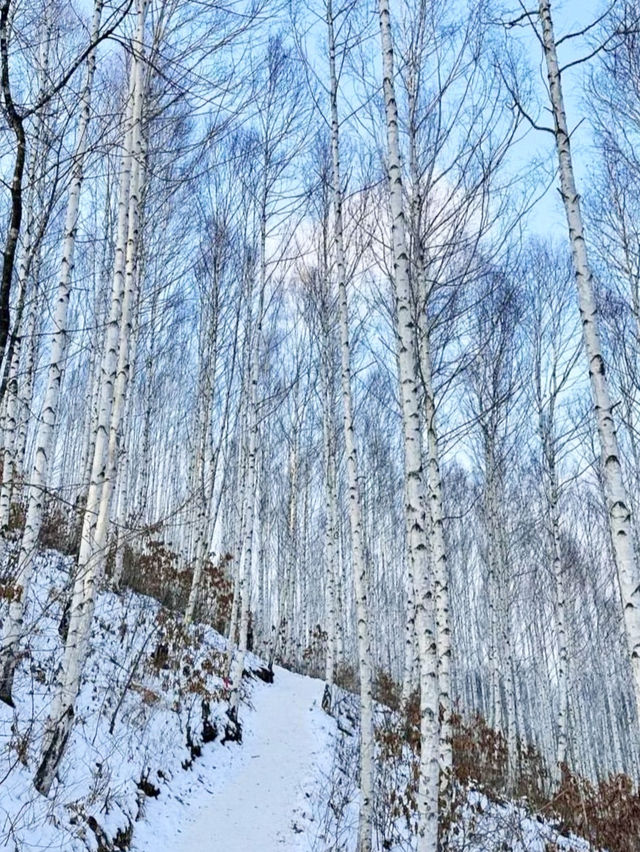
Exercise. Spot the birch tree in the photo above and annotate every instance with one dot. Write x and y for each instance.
(496, 381)
(321, 316)
(554, 358)
(276, 140)
(358, 546)
(618, 505)
(45, 432)
(414, 472)
(83, 598)
(17, 116)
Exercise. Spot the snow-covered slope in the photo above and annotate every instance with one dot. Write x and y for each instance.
(487, 826)
(151, 694)
(148, 769)
(256, 797)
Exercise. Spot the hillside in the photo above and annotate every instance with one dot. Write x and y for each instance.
(148, 768)
(320, 364)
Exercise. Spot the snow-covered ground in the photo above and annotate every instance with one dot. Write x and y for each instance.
(147, 769)
(137, 773)
(487, 826)
(255, 797)
(139, 718)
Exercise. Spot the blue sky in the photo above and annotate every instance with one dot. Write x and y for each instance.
(569, 16)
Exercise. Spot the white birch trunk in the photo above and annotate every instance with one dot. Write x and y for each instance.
(438, 554)
(493, 579)
(246, 553)
(331, 520)
(243, 591)
(46, 425)
(509, 691)
(120, 463)
(10, 424)
(411, 662)
(125, 348)
(618, 505)
(12, 411)
(549, 457)
(25, 392)
(290, 585)
(60, 720)
(238, 540)
(206, 466)
(358, 556)
(414, 475)
(12, 396)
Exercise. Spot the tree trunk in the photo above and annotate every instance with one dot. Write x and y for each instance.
(438, 553)
(46, 424)
(60, 720)
(414, 474)
(331, 520)
(358, 555)
(618, 505)
(15, 121)
(248, 518)
(126, 321)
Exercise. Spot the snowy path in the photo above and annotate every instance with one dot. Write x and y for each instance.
(249, 798)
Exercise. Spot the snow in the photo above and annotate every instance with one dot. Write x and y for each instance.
(486, 825)
(135, 716)
(138, 772)
(254, 797)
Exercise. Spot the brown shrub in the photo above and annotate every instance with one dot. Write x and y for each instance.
(385, 690)
(346, 677)
(216, 599)
(606, 814)
(479, 753)
(158, 573)
(61, 527)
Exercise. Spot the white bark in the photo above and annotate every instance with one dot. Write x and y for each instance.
(238, 537)
(242, 593)
(358, 556)
(208, 457)
(618, 505)
(119, 463)
(509, 689)
(414, 474)
(125, 346)
(9, 429)
(25, 391)
(290, 585)
(46, 425)
(331, 510)
(411, 661)
(23, 328)
(493, 580)
(438, 551)
(546, 426)
(202, 489)
(61, 716)
(249, 505)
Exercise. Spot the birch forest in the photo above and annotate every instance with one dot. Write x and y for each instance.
(320, 425)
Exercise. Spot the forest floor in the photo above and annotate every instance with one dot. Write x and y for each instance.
(253, 797)
(147, 767)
